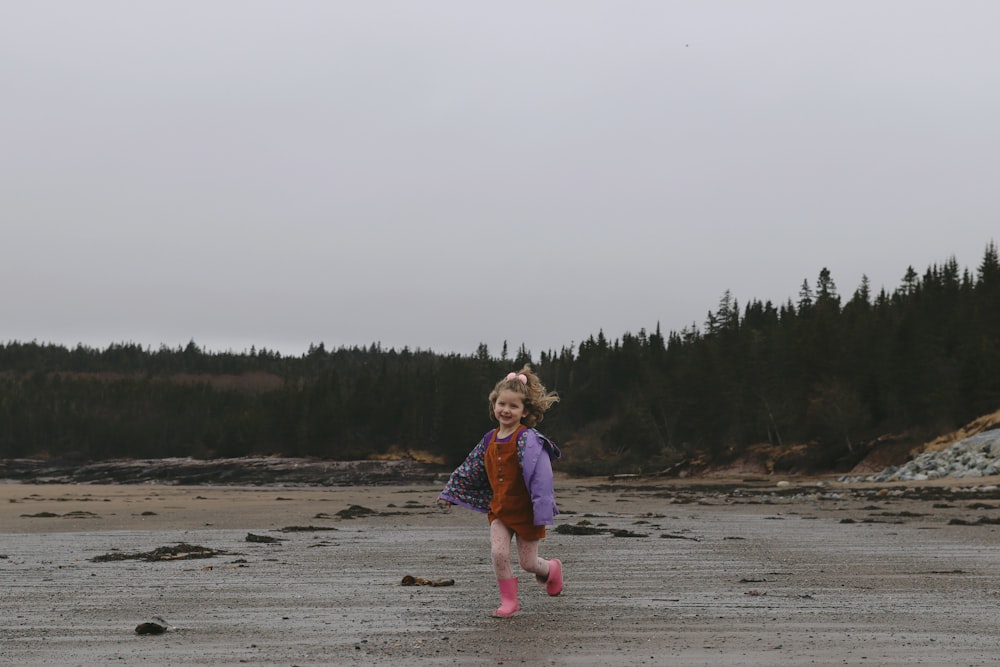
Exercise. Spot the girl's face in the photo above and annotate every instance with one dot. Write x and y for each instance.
(509, 408)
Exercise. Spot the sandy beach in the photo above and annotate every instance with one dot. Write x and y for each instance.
(685, 573)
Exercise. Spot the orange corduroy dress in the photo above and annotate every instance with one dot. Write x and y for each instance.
(511, 501)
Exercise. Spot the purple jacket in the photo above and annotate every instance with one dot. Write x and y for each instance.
(469, 486)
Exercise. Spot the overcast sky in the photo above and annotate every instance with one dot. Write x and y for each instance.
(441, 174)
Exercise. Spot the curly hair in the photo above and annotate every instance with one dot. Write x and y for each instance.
(536, 398)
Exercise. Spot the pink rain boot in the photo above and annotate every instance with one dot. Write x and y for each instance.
(508, 597)
(554, 582)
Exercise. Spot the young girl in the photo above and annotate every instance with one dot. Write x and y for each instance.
(508, 476)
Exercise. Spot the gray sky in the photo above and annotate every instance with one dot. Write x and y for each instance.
(440, 174)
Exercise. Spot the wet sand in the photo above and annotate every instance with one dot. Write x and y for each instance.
(679, 573)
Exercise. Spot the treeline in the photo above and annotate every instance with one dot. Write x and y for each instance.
(824, 371)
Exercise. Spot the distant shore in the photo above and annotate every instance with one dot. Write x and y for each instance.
(246, 470)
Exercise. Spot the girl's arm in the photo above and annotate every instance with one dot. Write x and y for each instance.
(537, 467)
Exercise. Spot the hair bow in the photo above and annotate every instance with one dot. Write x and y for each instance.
(519, 376)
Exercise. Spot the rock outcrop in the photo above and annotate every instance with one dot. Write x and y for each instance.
(975, 456)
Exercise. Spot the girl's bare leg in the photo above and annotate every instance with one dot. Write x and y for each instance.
(527, 556)
(500, 536)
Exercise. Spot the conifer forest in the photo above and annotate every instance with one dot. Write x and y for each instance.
(825, 375)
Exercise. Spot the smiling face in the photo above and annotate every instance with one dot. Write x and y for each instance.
(508, 409)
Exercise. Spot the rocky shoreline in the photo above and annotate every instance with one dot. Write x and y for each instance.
(975, 456)
(244, 471)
